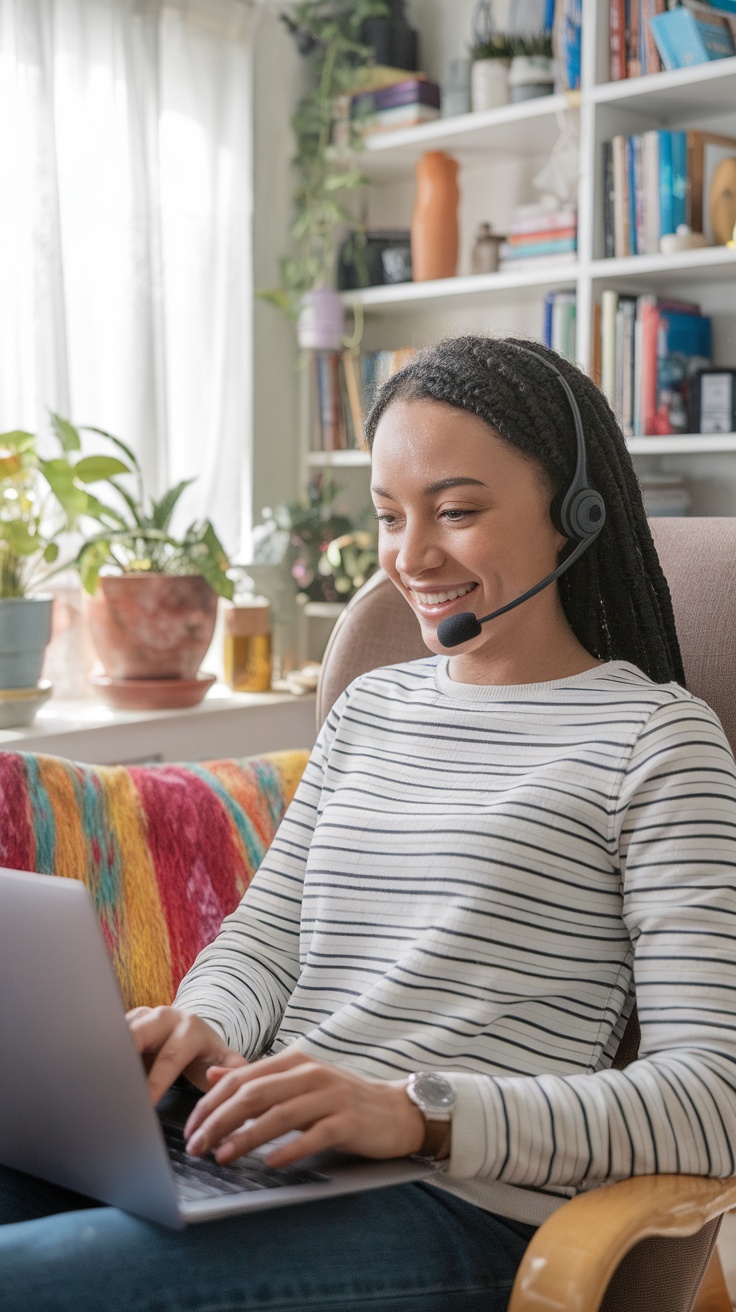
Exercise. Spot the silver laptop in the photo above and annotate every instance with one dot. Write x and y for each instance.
(74, 1105)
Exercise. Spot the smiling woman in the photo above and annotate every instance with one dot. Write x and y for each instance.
(457, 536)
(491, 857)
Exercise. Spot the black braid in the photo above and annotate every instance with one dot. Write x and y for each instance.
(615, 597)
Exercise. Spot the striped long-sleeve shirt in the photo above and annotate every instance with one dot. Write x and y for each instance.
(476, 880)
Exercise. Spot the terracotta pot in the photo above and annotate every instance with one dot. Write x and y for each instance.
(152, 626)
(434, 225)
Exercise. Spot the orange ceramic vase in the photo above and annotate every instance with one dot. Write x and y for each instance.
(434, 224)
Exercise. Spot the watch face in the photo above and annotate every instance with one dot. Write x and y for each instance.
(434, 1092)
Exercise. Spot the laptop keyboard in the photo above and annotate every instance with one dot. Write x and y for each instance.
(203, 1177)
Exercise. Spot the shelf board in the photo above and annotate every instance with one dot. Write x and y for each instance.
(704, 265)
(705, 89)
(529, 128)
(667, 445)
(338, 459)
(686, 444)
(404, 295)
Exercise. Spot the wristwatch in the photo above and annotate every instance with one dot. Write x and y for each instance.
(435, 1097)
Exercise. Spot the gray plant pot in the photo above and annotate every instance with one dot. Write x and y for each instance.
(25, 629)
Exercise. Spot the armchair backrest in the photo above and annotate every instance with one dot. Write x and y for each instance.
(699, 560)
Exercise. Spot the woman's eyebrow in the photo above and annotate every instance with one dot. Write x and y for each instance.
(441, 485)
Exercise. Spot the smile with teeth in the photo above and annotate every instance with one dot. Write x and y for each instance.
(437, 598)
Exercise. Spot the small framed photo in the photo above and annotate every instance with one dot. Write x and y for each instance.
(713, 401)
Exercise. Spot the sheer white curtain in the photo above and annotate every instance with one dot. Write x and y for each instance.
(125, 233)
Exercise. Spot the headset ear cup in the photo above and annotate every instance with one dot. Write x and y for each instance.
(586, 514)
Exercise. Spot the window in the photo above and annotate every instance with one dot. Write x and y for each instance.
(125, 234)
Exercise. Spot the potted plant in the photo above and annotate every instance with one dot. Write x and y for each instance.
(151, 596)
(41, 499)
(489, 73)
(327, 558)
(532, 71)
(329, 33)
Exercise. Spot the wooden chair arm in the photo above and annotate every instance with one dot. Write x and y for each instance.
(574, 1254)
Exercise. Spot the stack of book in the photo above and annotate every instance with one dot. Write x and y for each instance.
(402, 105)
(693, 34)
(647, 35)
(654, 181)
(343, 387)
(650, 348)
(560, 322)
(539, 236)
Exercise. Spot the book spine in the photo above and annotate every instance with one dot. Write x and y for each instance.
(639, 221)
(666, 199)
(650, 169)
(549, 302)
(651, 9)
(510, 252)
(679, 178)
(617, 32)
(631, 179)
(649, 334)
(609, 246)
(609, 305)
(621, 197)
(634, 60)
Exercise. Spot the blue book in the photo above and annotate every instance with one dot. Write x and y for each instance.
(683, 40)
(666, 198)
(683, 347)
(679, 179)
(631, 174)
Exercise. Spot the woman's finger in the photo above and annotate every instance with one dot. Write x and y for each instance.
(238, 1096)
(300, 1113)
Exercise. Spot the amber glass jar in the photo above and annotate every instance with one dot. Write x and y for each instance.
(248, 647)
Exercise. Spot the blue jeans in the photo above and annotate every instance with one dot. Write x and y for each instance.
(408, 1248)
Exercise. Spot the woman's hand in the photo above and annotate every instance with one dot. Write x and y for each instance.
(173, 1043)
(332, 1108)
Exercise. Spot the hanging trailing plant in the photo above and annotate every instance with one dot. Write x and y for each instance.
(328, 33)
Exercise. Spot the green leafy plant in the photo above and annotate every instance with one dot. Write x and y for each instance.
(137, 538)
(497, 46)
(43, 499)
(349, 562)
(328, 559)
(328, 32)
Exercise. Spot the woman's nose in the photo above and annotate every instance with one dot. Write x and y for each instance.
(418, 550)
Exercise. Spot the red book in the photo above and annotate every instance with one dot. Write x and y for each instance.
(618, 39)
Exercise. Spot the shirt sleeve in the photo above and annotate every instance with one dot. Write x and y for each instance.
(241, 982)
(673, 820)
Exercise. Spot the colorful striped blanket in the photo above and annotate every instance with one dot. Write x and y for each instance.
(166, 851)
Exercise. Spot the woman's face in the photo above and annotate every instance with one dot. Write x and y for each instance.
(464, 525)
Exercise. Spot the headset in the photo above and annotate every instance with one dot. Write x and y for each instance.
(579, 513)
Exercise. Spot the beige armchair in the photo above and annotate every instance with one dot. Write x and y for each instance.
(645, 1244)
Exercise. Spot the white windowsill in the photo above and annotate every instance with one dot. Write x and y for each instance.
(225, 724)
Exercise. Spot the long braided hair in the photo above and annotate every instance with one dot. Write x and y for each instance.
(615, 597)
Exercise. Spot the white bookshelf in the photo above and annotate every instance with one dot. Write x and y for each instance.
(499, 153)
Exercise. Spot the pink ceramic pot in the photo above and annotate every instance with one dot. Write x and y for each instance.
(152, 626)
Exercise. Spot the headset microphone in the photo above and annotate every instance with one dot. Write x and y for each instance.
(579, 513)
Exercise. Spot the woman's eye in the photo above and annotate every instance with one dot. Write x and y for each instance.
(455, 516)
(384, 517)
